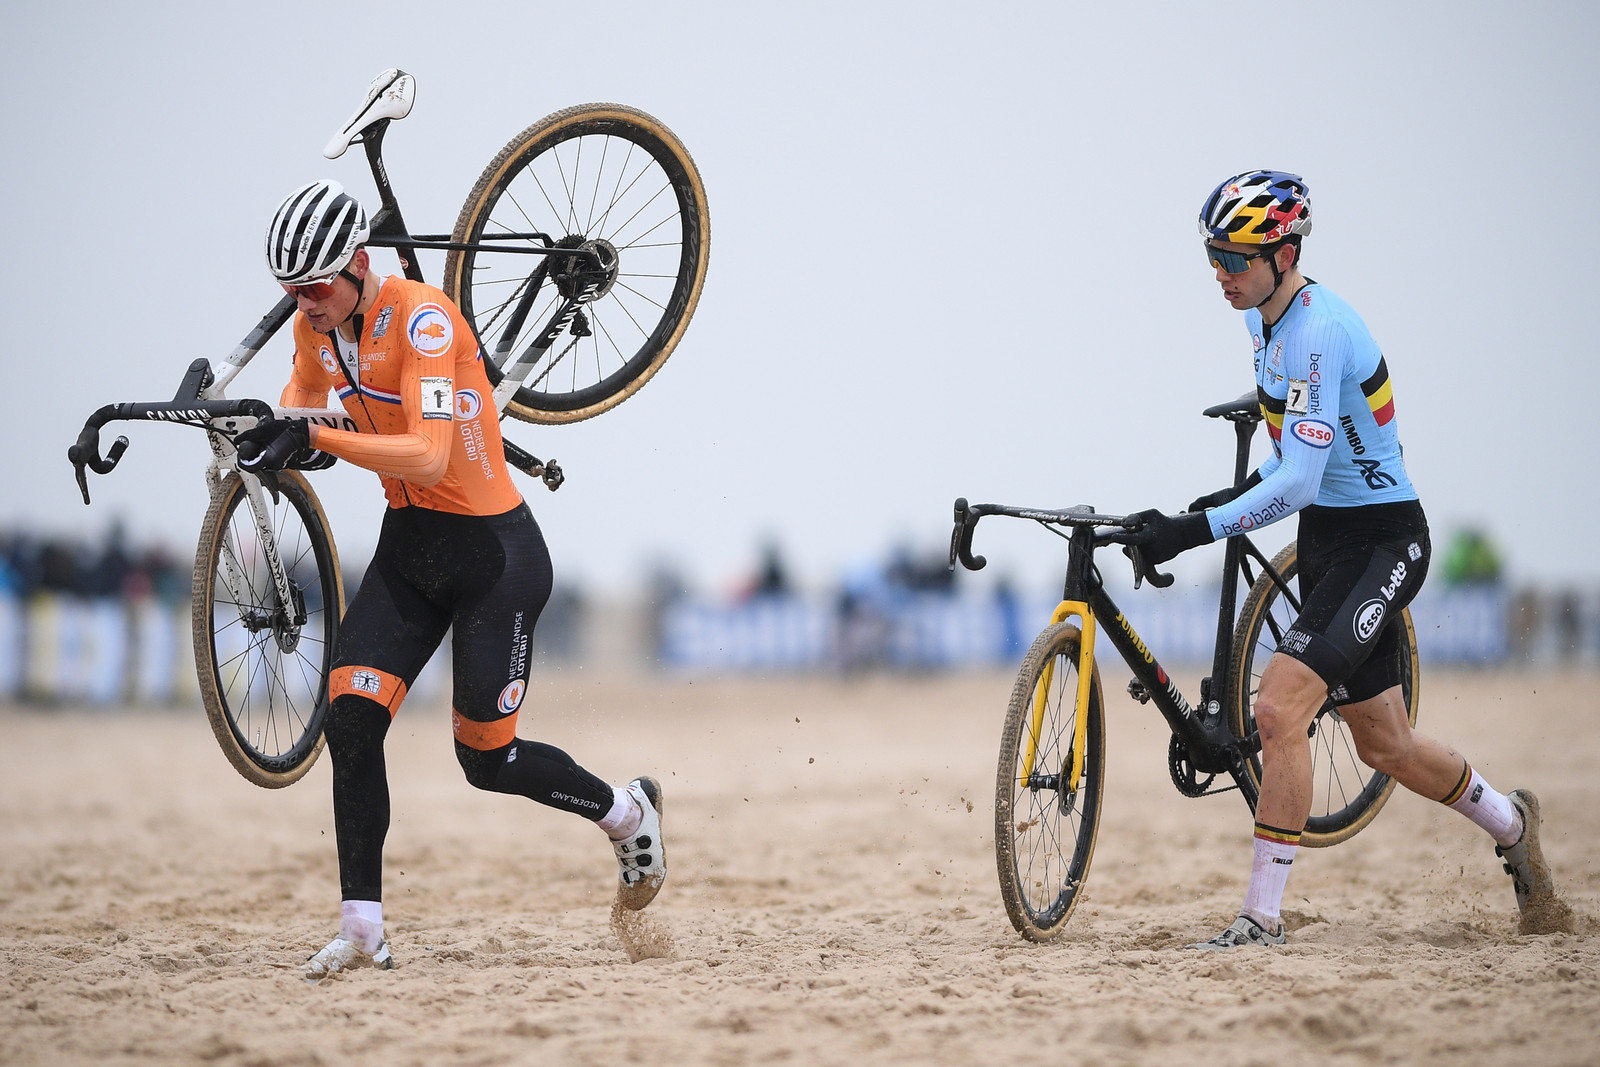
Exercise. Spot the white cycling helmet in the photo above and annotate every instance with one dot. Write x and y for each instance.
(314, 233)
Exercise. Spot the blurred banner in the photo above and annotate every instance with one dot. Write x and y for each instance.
(1475, 625)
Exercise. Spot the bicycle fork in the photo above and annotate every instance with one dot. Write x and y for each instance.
(1080, 726)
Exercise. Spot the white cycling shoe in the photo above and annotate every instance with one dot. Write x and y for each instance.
(342, 955)
(640, 856)
(1245, 931)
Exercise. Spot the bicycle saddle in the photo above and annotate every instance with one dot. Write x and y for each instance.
(388, 97)
(1243, 408)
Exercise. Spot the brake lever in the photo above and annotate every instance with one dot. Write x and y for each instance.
(961, 538)
(1143, 570)
(85, 452)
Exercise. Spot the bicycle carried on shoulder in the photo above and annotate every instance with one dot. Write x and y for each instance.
(578, 258)
(1050, 780)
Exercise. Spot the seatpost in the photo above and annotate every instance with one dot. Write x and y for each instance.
(1243, 430)
(386, 221)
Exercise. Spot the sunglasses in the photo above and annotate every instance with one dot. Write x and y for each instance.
(1233, 262)
(318, 291)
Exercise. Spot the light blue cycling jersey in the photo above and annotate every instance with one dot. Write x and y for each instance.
(1324, 390)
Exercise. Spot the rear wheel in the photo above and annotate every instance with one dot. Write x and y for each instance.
(1346, 793)
(606, 179)
(1044, 828)
(263, 664)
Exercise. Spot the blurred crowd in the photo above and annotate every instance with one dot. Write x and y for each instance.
(105, 623)
(90, 622)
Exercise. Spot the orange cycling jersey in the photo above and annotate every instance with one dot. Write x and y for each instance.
(424, 405)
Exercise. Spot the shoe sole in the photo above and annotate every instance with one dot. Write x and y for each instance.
(1541, 911)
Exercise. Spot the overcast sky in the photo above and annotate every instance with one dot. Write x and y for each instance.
(953, 251)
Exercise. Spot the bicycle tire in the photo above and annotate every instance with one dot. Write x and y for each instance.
(263, 673)
(551, 178)
(1044, 838)
(1346, 794)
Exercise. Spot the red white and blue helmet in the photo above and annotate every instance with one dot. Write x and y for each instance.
(1257, 207)
(314, 233)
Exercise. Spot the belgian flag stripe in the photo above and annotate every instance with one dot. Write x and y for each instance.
(1272, 411)
(1461, 787)
(1380, 393)
(1273, 833)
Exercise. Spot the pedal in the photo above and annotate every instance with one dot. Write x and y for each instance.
(1137, 690)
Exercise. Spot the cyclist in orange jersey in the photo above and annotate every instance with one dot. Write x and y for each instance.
(458, 548)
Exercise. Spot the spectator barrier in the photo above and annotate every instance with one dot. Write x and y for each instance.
(1465, 625)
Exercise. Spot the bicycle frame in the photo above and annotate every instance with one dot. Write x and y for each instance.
(1202, 728)
(202, 396)
(389, 231)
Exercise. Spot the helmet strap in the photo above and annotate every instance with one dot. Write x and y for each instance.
(361, 294)
(1277, 275)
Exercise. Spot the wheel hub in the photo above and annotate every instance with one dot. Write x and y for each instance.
(578, 278)
(288, 637)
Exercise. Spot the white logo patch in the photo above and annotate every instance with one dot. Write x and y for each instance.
(429, 330)
(366, 682)
(325, 354)
(438, 398)
(1314, 432)
(1414, 551)
(1368, 620)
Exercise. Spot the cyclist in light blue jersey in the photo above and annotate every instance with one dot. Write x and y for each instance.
(1324, 390)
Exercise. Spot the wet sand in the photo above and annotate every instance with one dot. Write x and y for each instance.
(831, 896)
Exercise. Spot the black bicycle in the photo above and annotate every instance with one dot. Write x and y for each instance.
(1051, 773)
(578, 258)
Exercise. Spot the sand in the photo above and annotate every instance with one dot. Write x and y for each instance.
(831, 897)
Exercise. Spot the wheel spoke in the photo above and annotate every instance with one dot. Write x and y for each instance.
(268, 671)
(608, 179)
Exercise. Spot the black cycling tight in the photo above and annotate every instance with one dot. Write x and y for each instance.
(488, 577)
(355, 731)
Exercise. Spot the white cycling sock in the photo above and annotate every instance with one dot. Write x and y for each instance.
(1269, 874)
(361, 922)
(623, 818)
(1473, 798)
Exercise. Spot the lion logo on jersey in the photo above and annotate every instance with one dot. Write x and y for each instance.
(429, 330)
(325, 354)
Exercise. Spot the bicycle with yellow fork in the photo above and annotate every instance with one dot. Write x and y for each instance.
(1050, 780)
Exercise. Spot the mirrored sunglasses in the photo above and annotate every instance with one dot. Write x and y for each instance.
(1232, 262)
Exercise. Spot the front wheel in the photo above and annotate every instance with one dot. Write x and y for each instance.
(262, 660)
(1346, 793)
(1044, 825)
(611, 181)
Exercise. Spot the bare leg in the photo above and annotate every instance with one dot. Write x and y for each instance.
(1290, 695)
(1386, 742)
